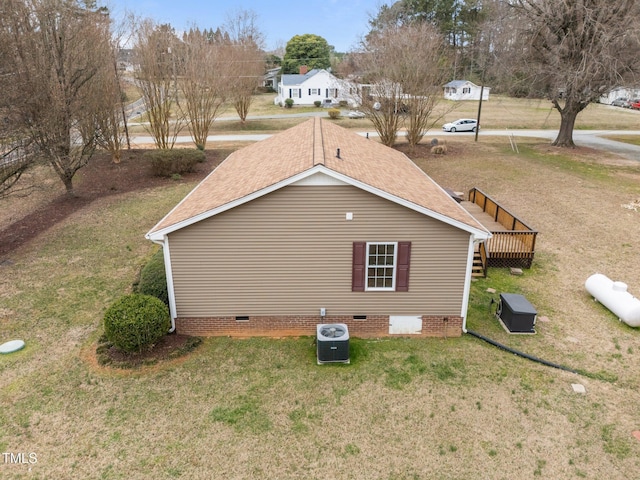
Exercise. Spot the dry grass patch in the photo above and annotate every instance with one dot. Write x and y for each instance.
(518, 113)
(632, 139)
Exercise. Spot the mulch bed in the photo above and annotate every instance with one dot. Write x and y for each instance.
(168, 347)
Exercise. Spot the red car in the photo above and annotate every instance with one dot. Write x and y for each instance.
(635, 104)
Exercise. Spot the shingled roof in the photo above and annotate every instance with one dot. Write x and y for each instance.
(308, 148)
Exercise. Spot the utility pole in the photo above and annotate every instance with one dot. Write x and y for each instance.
(480, 106)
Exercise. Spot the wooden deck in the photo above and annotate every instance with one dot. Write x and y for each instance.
(513, 241)
(483, 217)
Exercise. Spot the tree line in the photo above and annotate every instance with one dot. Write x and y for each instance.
(63, 93)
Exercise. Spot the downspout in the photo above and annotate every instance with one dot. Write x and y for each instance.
(164, 243)
(467, 283)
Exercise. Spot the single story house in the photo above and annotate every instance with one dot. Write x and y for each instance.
(307, 87)
(629, 93)
(465, 90)
(318, 224)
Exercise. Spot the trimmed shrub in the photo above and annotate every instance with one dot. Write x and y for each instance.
(334, 113)
(135, 322)
(317, 103)
(343, 103)
(288, 103)
(165, 163)
(153, 279)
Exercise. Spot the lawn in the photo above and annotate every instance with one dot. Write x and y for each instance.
(403, 409)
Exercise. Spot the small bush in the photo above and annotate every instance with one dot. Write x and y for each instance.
(317, 103)
(135, 322)
(334, 113)
(166, 163)
(288, 103)
(343, 103)
(153, 279)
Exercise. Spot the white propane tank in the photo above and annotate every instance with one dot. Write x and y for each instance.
(615, 297)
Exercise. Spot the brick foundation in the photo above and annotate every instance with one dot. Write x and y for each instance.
(300, 325)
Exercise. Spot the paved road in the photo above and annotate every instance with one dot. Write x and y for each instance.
(586, 138)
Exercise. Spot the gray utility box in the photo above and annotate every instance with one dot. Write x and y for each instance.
(516, 313)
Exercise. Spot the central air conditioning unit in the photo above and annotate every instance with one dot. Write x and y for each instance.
(332, 343)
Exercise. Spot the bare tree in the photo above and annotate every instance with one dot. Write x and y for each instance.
(202, 84)
(55, 51)
(15, 159)
(405, 67)
(157, 62)
(576, 51)
(422, 83)
(110, 124)
(16, 156)
(382, 101)
(111, 118)
(246, 62)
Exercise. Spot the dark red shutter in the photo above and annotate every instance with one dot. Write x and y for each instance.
(402, 270)
(359, 266)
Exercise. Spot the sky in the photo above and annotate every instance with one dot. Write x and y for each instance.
(342, 23)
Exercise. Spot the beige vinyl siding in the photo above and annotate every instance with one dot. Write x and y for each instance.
(290, 253)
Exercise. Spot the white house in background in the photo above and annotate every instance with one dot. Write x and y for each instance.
(464, 90)
(629, 93)
(310, 86)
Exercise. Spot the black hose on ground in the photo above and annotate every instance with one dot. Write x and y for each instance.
(521, 354)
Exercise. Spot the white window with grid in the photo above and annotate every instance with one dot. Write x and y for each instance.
(381, 266)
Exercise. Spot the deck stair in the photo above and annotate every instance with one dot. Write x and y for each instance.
(478, 270)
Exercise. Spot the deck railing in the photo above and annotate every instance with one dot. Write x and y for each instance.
(513, 247)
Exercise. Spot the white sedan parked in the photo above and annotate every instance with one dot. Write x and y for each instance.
(462, 125)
